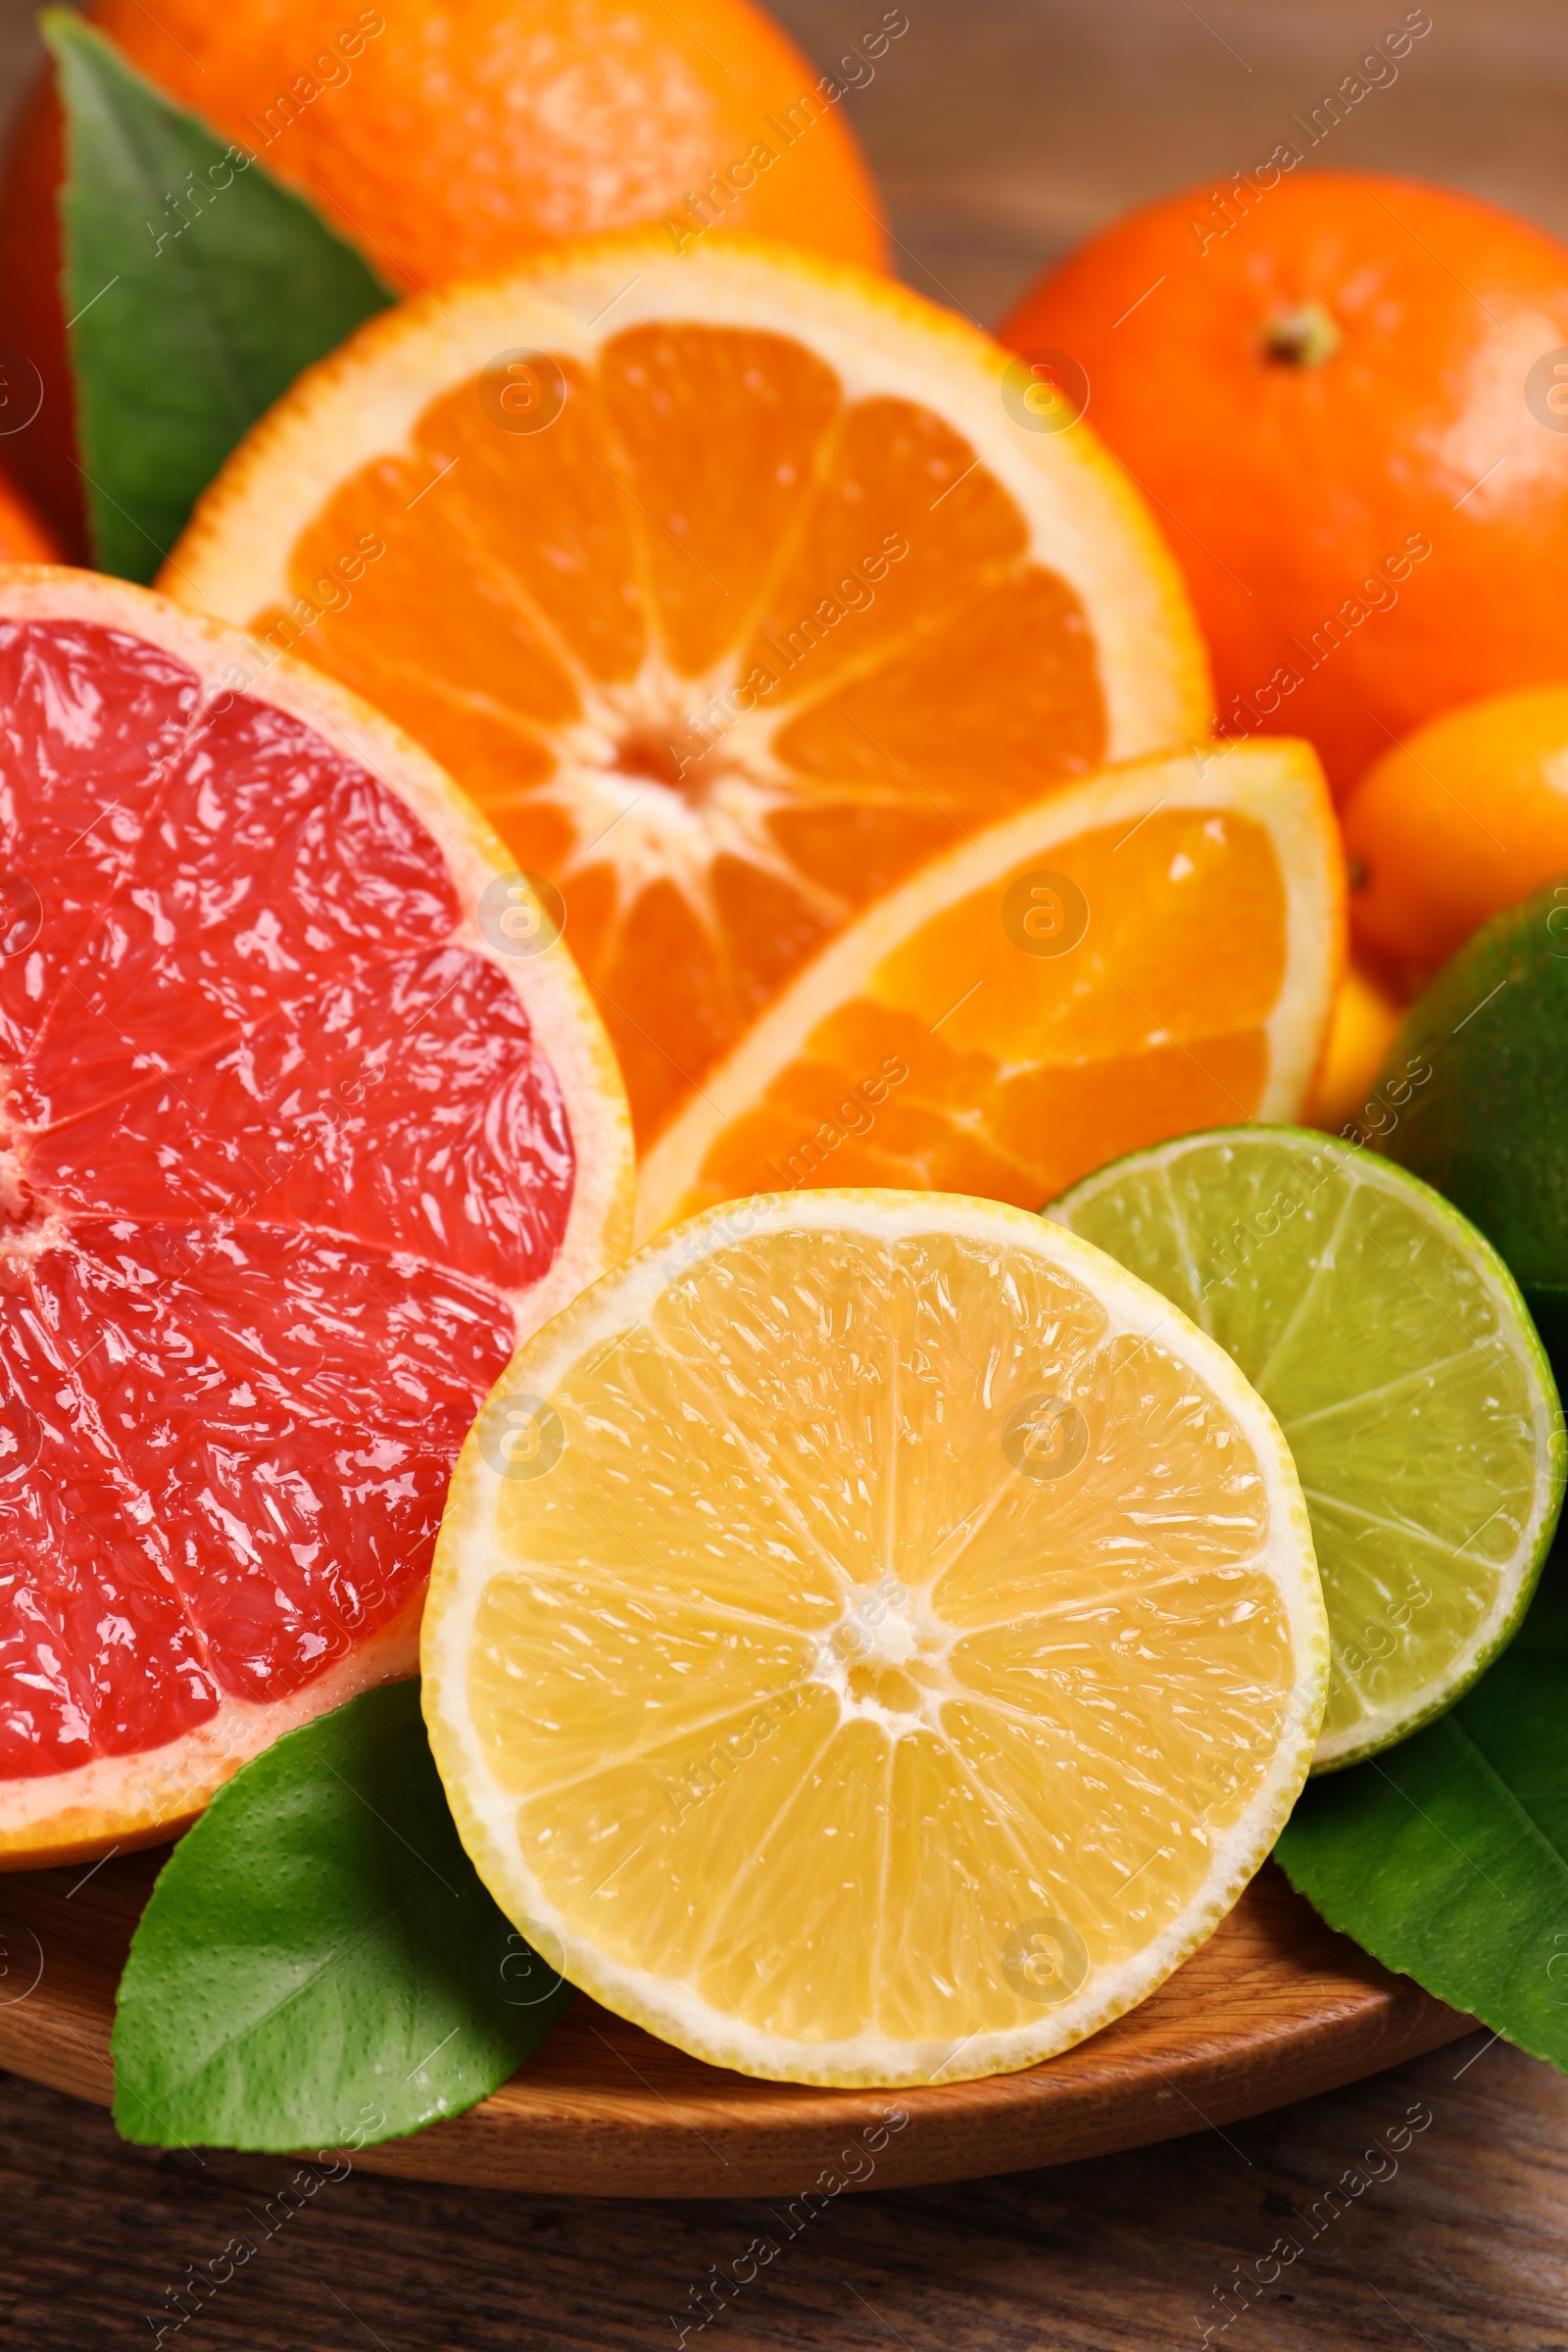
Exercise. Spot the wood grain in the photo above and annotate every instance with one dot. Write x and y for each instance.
(1273, 2007)
(1461, 2246)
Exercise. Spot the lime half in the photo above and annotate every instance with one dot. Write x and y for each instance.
(1393, 1345)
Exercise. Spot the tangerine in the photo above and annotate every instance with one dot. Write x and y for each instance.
(1348, 397)
(1458, 822)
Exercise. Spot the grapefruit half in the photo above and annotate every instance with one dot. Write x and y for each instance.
(308, 1123)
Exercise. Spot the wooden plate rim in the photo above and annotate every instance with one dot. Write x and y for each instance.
(1276, 2007)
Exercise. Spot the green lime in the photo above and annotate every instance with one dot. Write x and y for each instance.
(1393, 1345)
(1475, 1096)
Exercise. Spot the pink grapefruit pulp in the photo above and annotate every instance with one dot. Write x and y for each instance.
(300, 1140)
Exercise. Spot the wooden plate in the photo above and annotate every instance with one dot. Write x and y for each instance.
(1276, 2006)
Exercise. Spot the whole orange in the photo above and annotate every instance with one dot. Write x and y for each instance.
(1349, 397)
(448, 138)
(1463, 819)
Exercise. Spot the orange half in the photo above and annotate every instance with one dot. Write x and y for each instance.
(1152, 951)
(732, 586)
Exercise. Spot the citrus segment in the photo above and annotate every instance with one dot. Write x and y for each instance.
(731, 587)
(1391, 1342)
(293, 1156)
(871, 1638)
(1145, 953)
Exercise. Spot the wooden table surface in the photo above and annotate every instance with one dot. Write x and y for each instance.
(1460, 2244)
(1001, 129)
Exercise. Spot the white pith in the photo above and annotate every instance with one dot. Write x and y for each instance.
(647, 831)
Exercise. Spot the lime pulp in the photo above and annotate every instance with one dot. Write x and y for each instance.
(1393, 1346)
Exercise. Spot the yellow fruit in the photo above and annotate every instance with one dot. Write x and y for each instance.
(873, 1638)
(1365, 1018)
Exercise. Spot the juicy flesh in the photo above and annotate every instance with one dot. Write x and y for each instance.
(1366, 1325)
(274, 1150)
(719, 650)
(967, 1065)
(811, 1701)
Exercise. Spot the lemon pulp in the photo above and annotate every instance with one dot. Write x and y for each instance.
(890, 1644)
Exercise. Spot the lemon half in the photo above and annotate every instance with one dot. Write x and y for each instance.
(873, 1638)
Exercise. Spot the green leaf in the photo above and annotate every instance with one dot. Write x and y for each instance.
(1447, 1857)
(196, 286)
(319, 1963)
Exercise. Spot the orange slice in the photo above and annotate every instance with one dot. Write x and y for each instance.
(732, 586)
(1152, 952)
